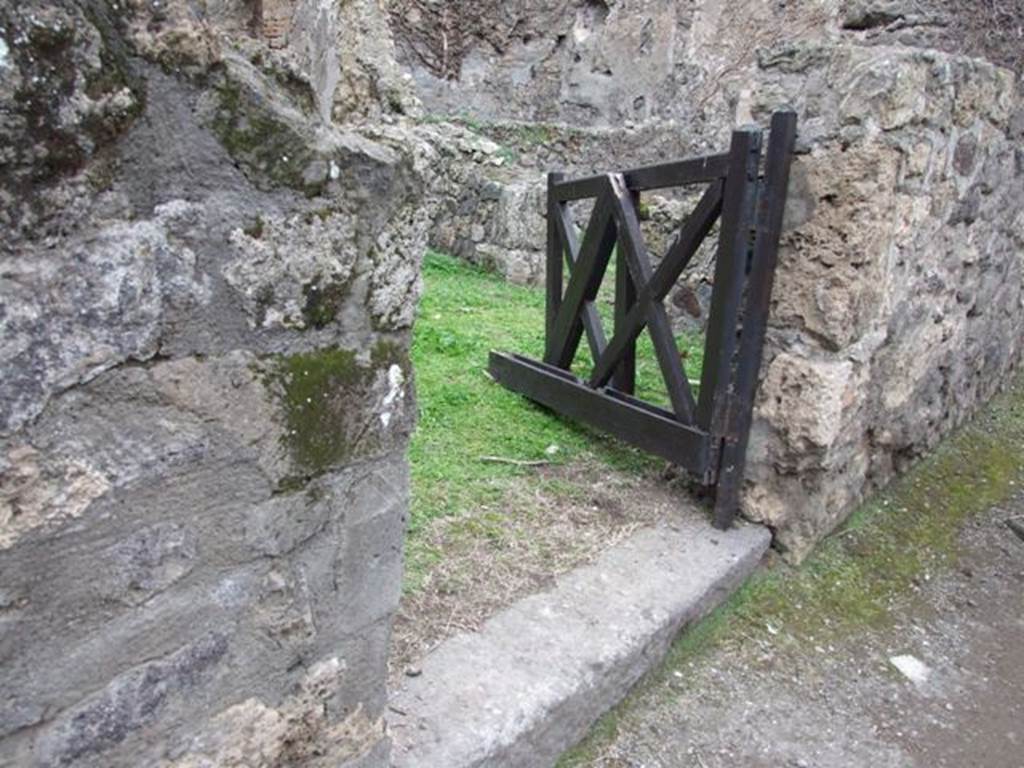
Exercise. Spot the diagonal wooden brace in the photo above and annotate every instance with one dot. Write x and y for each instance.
(570, 247)
(658, 325)
(596, 251)
(679, 255)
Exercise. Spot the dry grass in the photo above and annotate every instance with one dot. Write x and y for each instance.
(551, 520)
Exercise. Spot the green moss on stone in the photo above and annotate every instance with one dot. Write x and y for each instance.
(469, 122)
(389, 353)
(102, 172)
(264, 301)
(315, 387)
(300, 91)
(328, 402)
(536, 134)
(508, 155)
(323, 300)
(394, 101)
(255, 230)
(263, 145)
(322, 214)
(117, 70)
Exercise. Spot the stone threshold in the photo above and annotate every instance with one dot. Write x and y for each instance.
(536, 677)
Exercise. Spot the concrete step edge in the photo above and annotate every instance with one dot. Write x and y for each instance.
(531, 683)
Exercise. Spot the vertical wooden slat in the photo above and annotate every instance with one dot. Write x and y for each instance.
(624, 377)
(553, 266)
(693, 232)
(730, 267)
(770, 211)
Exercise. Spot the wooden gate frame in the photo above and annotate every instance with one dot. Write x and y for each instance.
(708, 435)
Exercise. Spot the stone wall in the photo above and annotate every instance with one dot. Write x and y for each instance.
(207, 287)
(898, 303)
(618, 63)
(489, 189)
(588, 63)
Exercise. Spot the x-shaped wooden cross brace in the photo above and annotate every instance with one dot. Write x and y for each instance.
(614, 219)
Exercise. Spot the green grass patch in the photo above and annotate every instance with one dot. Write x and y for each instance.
(463, 415)
(848, 584)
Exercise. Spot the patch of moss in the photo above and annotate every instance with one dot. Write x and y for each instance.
(44, 56)
(323, 214)
(255, 230)
(909, 530)
(261, 144)
(323, 300)
(325, 397)
(292, 484)
(117, 71)
(177, 54)
(264, 301)
(300, 91)
(393, 97)
(102, 172)
(535, 134)
(508, 155)
(469, 122)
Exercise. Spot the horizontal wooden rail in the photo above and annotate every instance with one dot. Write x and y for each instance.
(641, 424)
(675, 174)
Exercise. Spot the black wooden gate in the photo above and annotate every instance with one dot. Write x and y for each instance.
(708, 434)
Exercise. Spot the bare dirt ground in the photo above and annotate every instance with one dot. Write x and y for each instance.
(555, 518)
(781, 699)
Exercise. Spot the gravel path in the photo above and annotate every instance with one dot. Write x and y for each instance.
(783, 701)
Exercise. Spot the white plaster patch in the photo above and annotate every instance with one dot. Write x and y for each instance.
(5, 54)
(580, 32)
(396, 392)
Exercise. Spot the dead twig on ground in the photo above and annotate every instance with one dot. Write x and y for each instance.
(514, 462)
